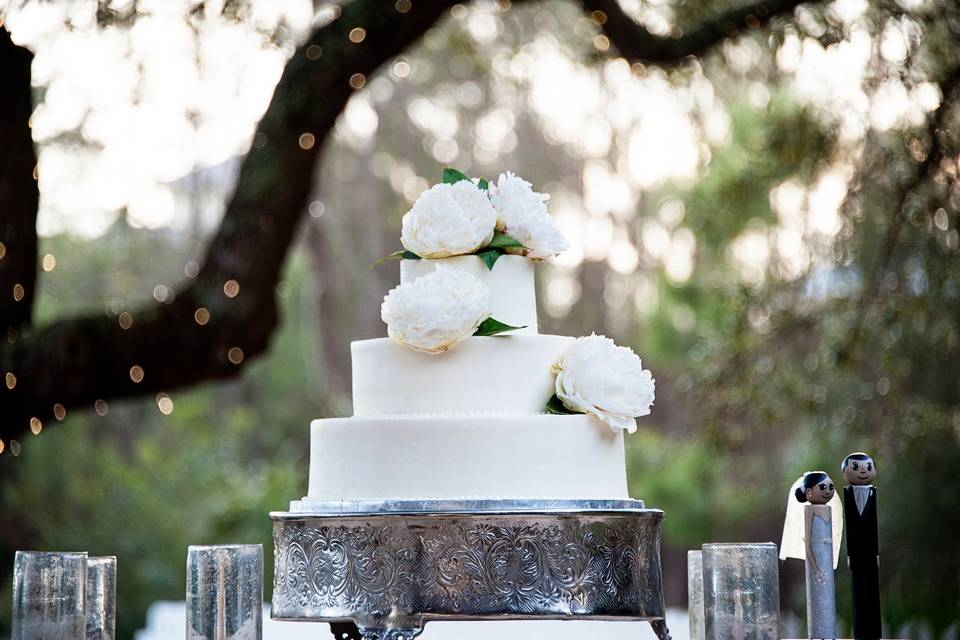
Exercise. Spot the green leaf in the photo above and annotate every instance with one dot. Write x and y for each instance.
(483, 184)
(556, 406)
(490, 257)
(403, 254)
(491, 327)
(452, 176)
(503, 241)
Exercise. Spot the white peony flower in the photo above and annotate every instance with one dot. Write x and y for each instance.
(449, 220)
(522, 214)
(596, 376)
(436, 311)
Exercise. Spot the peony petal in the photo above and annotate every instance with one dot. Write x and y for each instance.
(437, 311)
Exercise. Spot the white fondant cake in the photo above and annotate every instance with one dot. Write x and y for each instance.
(467, 423)
(481, 456)
(501, 374)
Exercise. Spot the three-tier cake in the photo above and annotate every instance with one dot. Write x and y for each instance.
(468, 423)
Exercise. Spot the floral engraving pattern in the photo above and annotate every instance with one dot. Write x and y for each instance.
(394, 571)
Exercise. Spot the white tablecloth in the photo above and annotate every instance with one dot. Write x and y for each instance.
(166, 621)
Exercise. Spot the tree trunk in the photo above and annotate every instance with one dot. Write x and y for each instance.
(19, 196)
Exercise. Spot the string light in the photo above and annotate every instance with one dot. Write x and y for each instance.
(306, 141)
(15, 447)
(3, 250)
(2, 446)
(403, 6)
(125, 320)
(11, 335)
(36, 426)
(458, 11)
(317, 209)
(164, 404)
(160, 293)
(59, 412)
(18, 292)
(401, 69)
(101, 407)
(357, 80)
(235, 355)
(601, 42)
(599, 17)
(357, 35)
(191, 269)
(201, 316)
(10, 379)
(231, 288)
(49, 262)
(313, 52)
(136, 374)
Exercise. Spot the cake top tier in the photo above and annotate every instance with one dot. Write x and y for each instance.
(469, 247)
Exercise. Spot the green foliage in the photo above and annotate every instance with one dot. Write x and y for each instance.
(452, 176)
(492, 327)
(402, 254)
(498, 246)
(555, 406)
(504, 241)
(765, 148)
(489, 257)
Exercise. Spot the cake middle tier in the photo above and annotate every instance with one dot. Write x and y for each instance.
(562, 457)
(499, 374)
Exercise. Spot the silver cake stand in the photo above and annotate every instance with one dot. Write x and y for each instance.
(381, 571)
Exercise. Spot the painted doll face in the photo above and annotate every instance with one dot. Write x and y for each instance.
(822, 492)
(859, 469)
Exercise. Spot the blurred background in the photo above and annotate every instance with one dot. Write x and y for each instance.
(772, 225)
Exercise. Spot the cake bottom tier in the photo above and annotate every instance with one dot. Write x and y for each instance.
(465, 457)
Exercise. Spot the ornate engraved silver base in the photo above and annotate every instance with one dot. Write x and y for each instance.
(381, 571)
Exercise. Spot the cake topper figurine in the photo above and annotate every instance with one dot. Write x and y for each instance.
(812, 531)
(863, 548)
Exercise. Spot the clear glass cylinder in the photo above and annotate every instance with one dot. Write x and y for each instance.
(101, 598)
(695, 594)
(48, 595)
(741, 591)
(225, 592)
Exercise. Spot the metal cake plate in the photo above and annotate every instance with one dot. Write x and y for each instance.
(382, 570)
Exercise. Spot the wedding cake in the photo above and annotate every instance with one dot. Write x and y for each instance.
(466, 400)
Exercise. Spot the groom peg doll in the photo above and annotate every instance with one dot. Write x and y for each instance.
(863, 549)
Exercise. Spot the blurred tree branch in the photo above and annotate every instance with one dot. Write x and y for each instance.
(638, 44)
(925, 170)
(77, 361)
(19, 196)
